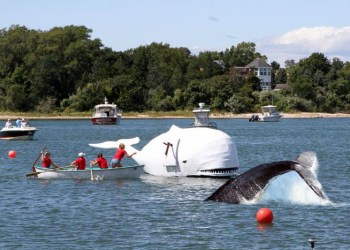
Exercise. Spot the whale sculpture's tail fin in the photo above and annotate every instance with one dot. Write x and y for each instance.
(305, 162)
(115, 144)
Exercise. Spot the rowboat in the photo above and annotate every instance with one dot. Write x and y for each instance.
(95, 173)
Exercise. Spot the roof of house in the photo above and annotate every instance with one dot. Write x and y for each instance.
(258, 63)
(283, 86)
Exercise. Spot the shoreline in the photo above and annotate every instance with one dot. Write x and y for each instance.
(302, 115)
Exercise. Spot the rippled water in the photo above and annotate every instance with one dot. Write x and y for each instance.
(170, 213)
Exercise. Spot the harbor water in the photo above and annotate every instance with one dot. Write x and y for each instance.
(170, 213)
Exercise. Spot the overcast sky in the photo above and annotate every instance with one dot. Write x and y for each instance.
(281, 29)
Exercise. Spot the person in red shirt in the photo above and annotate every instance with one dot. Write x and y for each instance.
(80, 162)
(46, 161)
(101, 161)
(119, 154)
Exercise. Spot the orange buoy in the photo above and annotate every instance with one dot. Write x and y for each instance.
(264, 215)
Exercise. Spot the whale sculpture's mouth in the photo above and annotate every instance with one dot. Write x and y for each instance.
(216, 173)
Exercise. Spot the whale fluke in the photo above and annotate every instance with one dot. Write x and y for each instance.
(251, 183)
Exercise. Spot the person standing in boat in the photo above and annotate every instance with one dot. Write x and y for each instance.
(19, 122)
(80, 162)
(8, 124)
(23, 123)
(46, 161)
(100, 160)
(119, 154)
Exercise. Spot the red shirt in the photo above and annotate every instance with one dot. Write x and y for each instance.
(80, 163)
(102, 162)
(119, 154)
(46, 163)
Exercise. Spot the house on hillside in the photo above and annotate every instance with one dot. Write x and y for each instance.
(261, 69)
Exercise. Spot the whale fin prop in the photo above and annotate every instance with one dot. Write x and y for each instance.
(251, 183)
(307, 161)
(115, 144)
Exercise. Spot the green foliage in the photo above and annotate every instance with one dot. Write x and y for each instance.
(46, 106)
(241, 55)
(63, 69)
(239, 104)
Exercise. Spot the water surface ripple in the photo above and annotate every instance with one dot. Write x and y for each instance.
(170, 213)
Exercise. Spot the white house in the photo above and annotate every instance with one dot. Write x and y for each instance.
(263, 71)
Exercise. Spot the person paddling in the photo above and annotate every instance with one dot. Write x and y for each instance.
(119, 154)
(46, 161)
(80, 162)
(100, 160)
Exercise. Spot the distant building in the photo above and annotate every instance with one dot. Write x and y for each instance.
(263, 71)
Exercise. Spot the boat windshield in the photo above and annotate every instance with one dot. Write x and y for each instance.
(269, 109)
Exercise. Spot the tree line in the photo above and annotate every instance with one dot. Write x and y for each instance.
(64, 69)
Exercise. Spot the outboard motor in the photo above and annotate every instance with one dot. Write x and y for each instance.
(254, 118)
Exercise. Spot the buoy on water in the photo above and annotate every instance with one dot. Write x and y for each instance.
(12, 154)
(264, 215)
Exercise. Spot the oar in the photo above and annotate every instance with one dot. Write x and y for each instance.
(92, 177)
(55, 169)
(33, 167)
(34, 173)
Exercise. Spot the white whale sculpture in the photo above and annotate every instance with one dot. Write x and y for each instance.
(200, 151)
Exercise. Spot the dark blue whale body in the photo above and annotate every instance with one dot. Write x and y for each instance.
(251, 183)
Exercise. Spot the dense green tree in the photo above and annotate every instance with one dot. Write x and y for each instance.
(241, 55)
(316, 62)
(64, 69)
(281, 76)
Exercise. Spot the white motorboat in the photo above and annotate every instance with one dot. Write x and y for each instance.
(95, 173)
(15, 133)
(106, 114)
(269, 114)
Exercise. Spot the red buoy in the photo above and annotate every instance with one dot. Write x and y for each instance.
(12, 154)
(264, 215)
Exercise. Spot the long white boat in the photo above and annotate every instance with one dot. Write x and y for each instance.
(95, 173)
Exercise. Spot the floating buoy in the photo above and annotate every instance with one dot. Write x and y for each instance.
(264, 215)
(12, 154)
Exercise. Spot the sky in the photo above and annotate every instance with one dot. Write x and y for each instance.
(281, 29)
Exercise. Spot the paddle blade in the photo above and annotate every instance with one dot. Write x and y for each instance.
(35, 174)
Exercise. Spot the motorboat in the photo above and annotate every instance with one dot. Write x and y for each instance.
(17, 133)
(92, 173)
(269, 114)
(106, 114)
